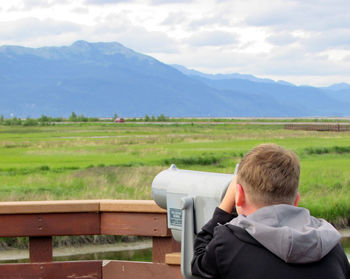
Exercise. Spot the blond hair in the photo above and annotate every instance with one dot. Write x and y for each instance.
(269, 174)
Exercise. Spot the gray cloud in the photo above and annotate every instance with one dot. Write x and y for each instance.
(315, 41)
(296, 61)
(149, 42)
(209, 21)
(32, 4)
(298, 32)
(26, 28)
(118, 27)
(103, 2)
(174, 18)
(270, 18)
(281, 39)
(288, 63)
(305, 15)
(80, 10)
(330, 39)
(156, 2)
(212, 38)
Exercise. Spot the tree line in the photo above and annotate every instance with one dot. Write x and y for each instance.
(45, 120)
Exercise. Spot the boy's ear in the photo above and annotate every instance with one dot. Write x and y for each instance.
(240, 195)
(297, 199)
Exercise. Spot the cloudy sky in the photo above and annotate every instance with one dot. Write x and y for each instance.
(301, 41)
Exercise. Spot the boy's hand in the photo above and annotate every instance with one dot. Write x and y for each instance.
(228, 202)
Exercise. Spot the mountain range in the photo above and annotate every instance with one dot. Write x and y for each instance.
(100, 79)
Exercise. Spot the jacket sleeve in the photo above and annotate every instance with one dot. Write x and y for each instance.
(204, 262)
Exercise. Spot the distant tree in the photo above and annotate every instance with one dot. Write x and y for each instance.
(56, 119)
(73, 117)
(153, 118)
(162, 118)
(81, 118)
(44, 119)
(93, 119)
(115, 116)
(47, 120)
(2, 119)
(13, 121)
(7, 122)
(30, 122)
(147, 118)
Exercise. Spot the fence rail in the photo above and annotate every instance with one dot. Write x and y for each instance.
(336, 127)
(40, 221)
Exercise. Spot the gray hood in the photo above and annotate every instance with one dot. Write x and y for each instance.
(290, 232)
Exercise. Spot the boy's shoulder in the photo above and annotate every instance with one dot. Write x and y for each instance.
(228, 233)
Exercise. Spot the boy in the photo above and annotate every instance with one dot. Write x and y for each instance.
(270, 237)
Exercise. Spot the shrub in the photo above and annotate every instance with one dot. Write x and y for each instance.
(199, 160)
(326, 150)
(30, 122)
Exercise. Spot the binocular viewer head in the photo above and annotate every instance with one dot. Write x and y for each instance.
(207, 189)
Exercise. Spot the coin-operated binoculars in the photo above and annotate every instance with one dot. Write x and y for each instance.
(190, 198)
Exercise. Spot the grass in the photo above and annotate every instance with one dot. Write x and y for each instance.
(119, 161)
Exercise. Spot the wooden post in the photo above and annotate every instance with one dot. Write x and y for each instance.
(40, 249)
(163, 246)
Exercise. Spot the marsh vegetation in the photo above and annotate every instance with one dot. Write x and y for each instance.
(119, 161)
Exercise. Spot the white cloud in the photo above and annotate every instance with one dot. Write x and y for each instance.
(215, 20)
(329, 39)
(103, 2)
(171, 1)
(310, 15)
(279, 39)
(145, 41)
(23, 29)
(117, 27)
(80, 10)
(174, 18)
(212, 38)
(27, 5)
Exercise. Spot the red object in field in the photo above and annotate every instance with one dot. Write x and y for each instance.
(119, 120)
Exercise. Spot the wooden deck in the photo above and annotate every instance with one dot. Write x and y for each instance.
(42, 220)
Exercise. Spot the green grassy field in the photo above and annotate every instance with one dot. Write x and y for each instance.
(119, 161)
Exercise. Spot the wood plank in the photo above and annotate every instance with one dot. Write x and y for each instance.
(146, 206)
(162, 246)
(50, 224)
(139, 270)
(29, 207)
(173, 258)
(57, 270)
(40, 249)
(142, 224)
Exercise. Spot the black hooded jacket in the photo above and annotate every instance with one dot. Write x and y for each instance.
(229, 251)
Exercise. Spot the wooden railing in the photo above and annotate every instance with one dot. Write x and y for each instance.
(41, 220)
